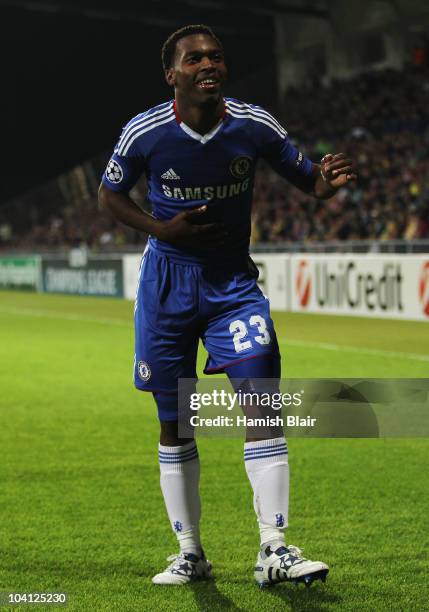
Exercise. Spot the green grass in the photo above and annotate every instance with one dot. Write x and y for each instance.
(81, 509)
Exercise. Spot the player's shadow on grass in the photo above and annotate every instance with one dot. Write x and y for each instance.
(301, 598)
(209, 598)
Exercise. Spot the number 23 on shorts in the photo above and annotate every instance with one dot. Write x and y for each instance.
(239, 330)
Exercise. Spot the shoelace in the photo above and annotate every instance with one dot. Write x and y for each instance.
(174, 559)
(295, 550)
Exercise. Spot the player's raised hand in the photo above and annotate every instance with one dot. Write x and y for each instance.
(337, 170)
(184, 231)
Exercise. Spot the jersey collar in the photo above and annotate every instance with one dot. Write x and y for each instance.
(203, 138)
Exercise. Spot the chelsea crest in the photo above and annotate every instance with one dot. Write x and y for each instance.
(240, 166)
(143, 370)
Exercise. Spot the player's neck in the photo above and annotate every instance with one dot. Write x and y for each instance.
(201, 119)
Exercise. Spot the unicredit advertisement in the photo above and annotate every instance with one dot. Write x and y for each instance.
(389, 286)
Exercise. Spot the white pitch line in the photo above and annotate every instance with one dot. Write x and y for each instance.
(355, 349)
(32, 312)
(300, 343)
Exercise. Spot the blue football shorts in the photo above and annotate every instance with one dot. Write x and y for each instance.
(178, 303)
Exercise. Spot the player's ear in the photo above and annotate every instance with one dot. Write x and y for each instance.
(170, 76)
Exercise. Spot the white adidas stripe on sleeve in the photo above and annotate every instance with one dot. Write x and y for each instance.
(258, 119)
(141, 121)
(257, 111)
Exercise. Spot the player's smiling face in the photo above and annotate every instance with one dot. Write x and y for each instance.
(199, 70)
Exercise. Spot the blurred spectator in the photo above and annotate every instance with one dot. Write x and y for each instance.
(380, 119)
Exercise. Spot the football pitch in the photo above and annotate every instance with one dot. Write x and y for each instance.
(81, 509)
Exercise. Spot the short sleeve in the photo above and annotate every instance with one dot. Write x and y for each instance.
(126, 165)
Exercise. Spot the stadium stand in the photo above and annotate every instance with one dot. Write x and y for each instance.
(380, 118)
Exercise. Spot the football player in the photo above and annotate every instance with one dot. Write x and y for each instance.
(199, 152)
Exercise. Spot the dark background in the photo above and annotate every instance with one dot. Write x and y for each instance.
(72, 75)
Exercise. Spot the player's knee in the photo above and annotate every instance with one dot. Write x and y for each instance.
(169, 433)
(168, 417)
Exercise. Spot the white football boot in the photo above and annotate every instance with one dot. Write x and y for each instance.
(184, 568)
(286, 564)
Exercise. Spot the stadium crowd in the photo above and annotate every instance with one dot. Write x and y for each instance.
(380, 119)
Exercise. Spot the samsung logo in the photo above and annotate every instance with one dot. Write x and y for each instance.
(210, 192)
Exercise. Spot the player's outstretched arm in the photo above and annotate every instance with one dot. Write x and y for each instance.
(181, 230)
(333, 172)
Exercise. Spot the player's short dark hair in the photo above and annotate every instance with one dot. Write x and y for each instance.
(169, 47)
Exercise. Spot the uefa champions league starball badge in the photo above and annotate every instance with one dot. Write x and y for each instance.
(114, 172)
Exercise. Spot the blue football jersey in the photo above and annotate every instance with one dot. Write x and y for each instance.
(185, 169)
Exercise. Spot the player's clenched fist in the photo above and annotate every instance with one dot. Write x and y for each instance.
(183, 231)
(337, 170)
